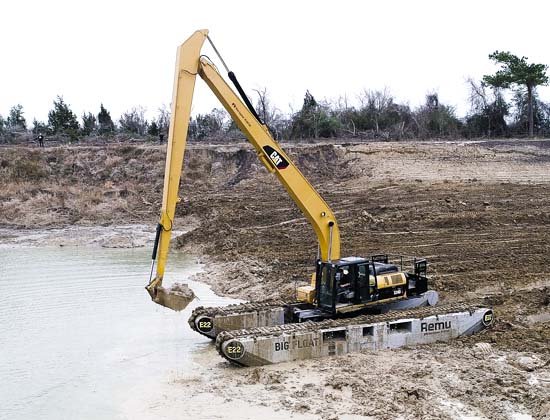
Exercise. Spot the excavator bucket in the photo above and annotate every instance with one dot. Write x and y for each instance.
(175, 297)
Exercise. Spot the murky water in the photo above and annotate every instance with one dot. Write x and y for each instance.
(78, 330)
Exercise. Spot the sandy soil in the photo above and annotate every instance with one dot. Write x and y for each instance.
(479, 211)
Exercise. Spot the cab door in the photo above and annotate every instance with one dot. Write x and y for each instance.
(363, 282)
(326, 288)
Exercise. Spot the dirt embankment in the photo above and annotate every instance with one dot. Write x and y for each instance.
(480, 213)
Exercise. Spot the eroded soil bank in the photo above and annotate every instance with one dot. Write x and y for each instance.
(479, 211)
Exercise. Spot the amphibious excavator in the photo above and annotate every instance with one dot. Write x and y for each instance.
(352, 303)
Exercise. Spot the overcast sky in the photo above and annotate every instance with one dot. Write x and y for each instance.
(122, 53)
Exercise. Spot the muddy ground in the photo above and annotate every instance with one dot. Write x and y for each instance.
(478, 211)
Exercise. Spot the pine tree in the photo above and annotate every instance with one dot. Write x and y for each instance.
(314, 120)
(15, 120)
(104, 121)
(153, 129)
(61, 119)
(89, 123)
(39, 127)
(516, 71)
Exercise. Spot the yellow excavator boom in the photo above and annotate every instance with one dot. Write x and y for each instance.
(189, 63)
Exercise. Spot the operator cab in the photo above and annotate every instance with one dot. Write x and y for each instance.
(355, 283)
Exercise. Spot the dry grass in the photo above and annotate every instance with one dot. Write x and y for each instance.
(61, 186)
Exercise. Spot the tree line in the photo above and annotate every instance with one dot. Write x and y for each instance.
(65, 125)
(378, 115)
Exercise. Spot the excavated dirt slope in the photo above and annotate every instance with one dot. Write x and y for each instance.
(479, 211)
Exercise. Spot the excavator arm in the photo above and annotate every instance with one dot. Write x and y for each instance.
(189, 63)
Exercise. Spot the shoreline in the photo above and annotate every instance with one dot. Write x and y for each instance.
(125, 236)
(213, 273)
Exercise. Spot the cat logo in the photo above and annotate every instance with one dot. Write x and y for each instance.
(279, 161)
(275, 158)
(488, 318)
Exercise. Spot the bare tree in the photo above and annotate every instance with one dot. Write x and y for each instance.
(210, 126)
(478, 95)
(269, 114)
(488, 109)
(345, 113)
(163, 120)
(377, 103)
(133, 121)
